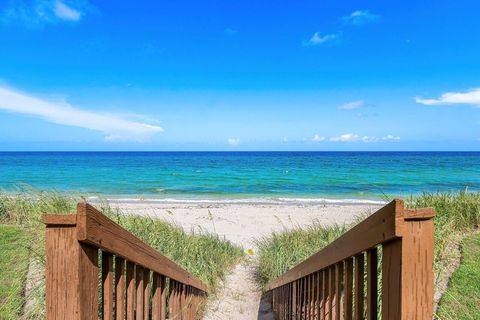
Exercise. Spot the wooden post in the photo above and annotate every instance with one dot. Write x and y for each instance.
(408, 267)
(71, 272)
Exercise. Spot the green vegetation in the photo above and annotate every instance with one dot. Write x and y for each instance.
(462, 298)
(14, 257)
(457, 214)
(206, 255)
(283, 250)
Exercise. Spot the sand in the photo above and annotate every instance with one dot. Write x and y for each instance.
(239, 297)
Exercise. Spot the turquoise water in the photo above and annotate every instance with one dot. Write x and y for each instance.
(281, 176)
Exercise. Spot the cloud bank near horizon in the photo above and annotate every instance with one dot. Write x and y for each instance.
(114, 127)
(471, 97)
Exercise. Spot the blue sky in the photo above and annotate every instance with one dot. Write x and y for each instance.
(239, 75)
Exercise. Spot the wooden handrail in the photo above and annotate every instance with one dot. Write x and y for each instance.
(406, 239)
(72, 246)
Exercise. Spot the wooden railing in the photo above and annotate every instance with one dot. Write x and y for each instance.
(331, 283)
(136, 281)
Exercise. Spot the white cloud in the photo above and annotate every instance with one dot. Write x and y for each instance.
(471, 97)
(114, 127)
(352, 105)
(360, 17)
(348, 137)
(285, 140)
(233, 141)
(387, 138)
(65, 12)
(317, 38)
(318, 138)
(34, 13)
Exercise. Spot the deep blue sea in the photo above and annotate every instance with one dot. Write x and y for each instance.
(242, 176)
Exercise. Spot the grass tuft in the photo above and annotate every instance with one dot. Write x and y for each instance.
(457, 213)
(206, 255)
(283, 250)
(462, 298)
(14, 258)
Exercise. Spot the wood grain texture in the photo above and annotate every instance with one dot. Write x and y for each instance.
(107, 285)
(391, 279)
(326, 293)
(71, 275)
(119, 288)
(97, 230)
(156, 296)
(378, 228)
(332, 293)
(338, 290)
(406, 237)
(417, 270)
(59, 219)
(359, 286)
(372, 283)
(348, 291)
(146, 294)
(130, 296)
(139, 292)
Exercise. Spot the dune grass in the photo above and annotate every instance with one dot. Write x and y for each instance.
(14, 257)
(283, 250)
(457, 214)
(462, 298)
(205, 255)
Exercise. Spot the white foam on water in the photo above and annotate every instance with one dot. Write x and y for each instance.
(283, 200)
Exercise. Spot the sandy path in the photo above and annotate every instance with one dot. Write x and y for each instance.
(239, 296)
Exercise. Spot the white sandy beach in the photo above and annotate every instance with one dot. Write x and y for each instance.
(242, 223)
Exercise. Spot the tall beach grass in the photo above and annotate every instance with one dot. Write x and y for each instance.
(457, 214)
(206, 255)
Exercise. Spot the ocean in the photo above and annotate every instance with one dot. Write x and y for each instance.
(303, 177)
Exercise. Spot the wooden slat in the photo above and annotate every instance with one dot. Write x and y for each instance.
(182, 301)
(146, 294)
(372, 284)
(163, 298)
(376, 229)
(172, 299)
(326, 293)
(107, 285)
(305, 297)
(156, 296)
(139, 291)
(312, 296)
(338, 290)
(294, 300)
(391, 280)
(119, 288)
(348, 296)
(332, 294)
(319, 295)
(130, 298)
(97, 230)
(359, 285)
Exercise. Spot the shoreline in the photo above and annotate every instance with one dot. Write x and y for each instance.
(293, 201)
(243, 223)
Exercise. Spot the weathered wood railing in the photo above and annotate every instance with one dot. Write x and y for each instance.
(331, 283)
(136, 282)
